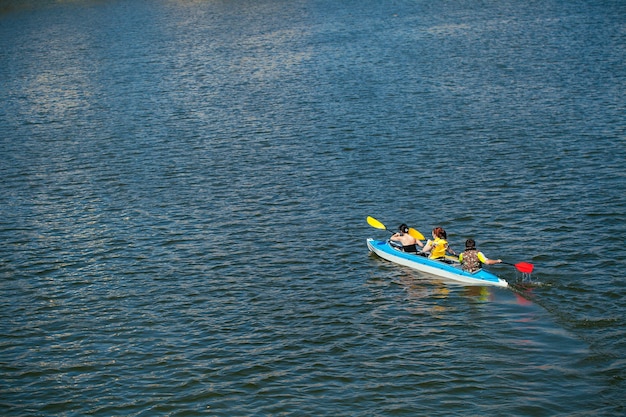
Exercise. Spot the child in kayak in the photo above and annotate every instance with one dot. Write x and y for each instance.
(439, 246)
(472, 260)
(408, 242)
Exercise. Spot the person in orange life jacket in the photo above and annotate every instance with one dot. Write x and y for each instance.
(408, 242)
(472, 260)
(439, 245)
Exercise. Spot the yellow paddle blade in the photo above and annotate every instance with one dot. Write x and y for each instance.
(375, 223)
(416, 234)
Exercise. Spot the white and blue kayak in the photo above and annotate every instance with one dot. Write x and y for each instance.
(421, 263)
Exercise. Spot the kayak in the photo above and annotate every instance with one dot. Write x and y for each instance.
(441, 269)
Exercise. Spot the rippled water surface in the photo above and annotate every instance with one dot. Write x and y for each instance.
(185, 186)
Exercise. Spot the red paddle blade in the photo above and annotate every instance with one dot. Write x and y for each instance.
(524, 267)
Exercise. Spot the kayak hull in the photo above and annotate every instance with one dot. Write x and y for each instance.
(383, 249)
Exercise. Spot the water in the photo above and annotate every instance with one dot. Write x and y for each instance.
(184, 192)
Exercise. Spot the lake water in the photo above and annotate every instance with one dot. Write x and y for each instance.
(185, 185)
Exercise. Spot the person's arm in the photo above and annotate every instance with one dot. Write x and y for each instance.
(428, 247)
(482, 258)
(398, 237)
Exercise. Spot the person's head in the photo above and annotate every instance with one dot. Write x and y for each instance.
(438, 232)
(470, 244)
(403, 228)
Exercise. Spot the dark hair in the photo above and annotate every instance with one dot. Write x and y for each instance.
(470, 244)
(440, 233)
(403, 228)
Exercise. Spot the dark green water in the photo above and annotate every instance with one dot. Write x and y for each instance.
(184, 187)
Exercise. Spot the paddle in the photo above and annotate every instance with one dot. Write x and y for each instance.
(416, 234)
(523, 267)
(378, 225)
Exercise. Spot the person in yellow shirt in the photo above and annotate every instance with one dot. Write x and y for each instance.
(439, 245)
(472, 260)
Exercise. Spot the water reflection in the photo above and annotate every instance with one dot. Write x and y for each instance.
(427, 287)
(425, 293)
(480, 294)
